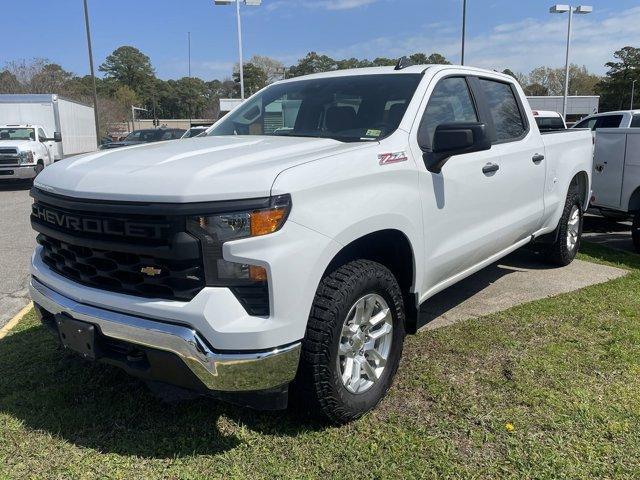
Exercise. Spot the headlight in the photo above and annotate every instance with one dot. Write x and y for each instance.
(214, 230)
(25, 157)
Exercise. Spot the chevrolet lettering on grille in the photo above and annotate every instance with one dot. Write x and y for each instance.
(103, 226)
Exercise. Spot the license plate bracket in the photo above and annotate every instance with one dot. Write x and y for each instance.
(77, 336)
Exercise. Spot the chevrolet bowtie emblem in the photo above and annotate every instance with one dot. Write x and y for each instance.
(150, 271)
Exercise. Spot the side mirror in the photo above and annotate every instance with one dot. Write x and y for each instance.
(452, 139)
(57, 137)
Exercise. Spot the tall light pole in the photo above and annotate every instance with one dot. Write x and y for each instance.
(581, 10)
(464, 29)
(255, 3)
(93, 75)
(189, 51)
(633, 91)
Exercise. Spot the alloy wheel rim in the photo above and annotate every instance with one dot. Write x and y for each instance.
(365, 343)
(573, 230)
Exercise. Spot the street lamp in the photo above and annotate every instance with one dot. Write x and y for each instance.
(251, 3)
(633, 90)
(93, 75)
(580, 10)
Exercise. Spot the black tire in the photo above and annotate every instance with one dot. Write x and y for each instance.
(635, 231)
(39, 168)
(318, 385)
(559, 253)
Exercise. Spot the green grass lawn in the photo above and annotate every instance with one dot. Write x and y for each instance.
(549, 389)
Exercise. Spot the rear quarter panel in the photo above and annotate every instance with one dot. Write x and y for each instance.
(567, 153)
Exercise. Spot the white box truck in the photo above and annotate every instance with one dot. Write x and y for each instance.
(73, 120)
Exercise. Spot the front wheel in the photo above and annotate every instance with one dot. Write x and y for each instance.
(635, 231)
(353, 342)
(569, 231)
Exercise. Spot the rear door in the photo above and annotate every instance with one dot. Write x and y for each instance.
(521, 150)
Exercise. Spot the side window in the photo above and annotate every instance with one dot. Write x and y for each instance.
(41, 136)
(507, 118)
(635, 121)
(450, 102)
(608, 121)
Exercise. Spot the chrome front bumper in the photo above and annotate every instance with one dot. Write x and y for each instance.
(225, 372)
(21, 172)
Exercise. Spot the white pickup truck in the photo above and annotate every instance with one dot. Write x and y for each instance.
(24, 151)
(294, 244)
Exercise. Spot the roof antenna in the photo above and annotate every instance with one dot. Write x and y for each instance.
(403, 62)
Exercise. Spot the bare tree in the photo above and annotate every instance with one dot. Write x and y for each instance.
(273, 69)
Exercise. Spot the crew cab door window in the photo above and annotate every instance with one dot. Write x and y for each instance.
(450, 101)
(507, 118)
(635, 121)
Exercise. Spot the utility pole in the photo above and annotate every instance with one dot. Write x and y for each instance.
(93, 75)
(464, 29)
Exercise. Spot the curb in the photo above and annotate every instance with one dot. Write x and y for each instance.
(4, 331)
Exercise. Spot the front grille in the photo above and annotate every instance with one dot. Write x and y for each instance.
(122, 272)
(106, 246)
(8, 161)
(136, 248)
(8, 151)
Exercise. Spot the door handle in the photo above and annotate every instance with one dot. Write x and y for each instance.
(537, 158)
(490, 168)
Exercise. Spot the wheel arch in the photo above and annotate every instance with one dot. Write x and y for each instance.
(581, 181)
(634, 201)
(393, 249)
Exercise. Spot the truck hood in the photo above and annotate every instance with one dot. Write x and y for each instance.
(19, 144)
(191, 170)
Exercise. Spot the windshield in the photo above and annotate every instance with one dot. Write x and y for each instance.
(349, 108)
(143, 136)
(194, 131)
(550, 123)
(17, 134)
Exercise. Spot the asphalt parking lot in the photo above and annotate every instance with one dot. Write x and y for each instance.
(519, 278)
(17, 241)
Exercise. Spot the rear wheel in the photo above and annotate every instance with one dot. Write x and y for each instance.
(569, 231)
(353, 342)
(635, 231)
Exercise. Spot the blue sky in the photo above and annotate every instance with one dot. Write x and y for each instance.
(501, 33)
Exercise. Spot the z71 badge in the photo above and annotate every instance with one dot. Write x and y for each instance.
(387, 158)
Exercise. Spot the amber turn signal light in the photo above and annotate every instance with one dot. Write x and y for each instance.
(267, 221)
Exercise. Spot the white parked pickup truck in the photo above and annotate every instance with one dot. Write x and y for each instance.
(294, 244)
(24, 151)
(616, 177)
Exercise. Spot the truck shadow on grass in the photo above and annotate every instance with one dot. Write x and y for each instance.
(99, 407)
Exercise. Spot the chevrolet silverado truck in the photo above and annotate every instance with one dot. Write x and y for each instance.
(24, 151)
(288, 251)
